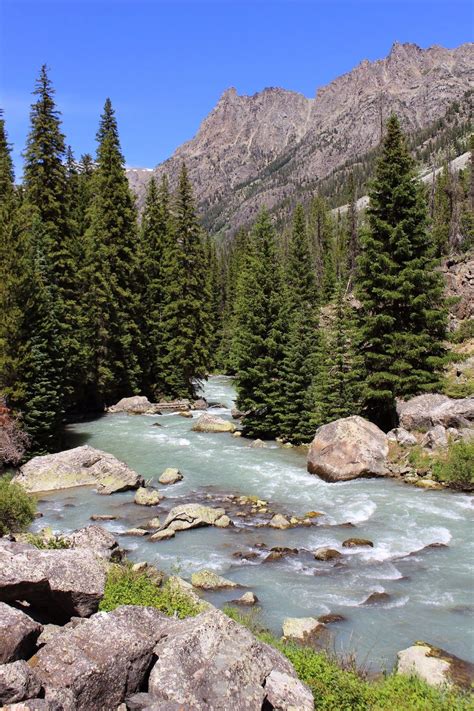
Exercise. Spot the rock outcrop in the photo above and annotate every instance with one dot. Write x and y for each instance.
(435, 666)
(81, 466)
(348, 448)
(211, 663)
(211, 423)
(64, 582)
(17, 683)
(426, 411)
(96, 539)
(18, 634)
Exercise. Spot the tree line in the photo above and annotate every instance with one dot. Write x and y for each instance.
(337, 315)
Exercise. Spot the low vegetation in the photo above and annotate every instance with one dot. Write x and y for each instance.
(53, 542)
(338, 689)
(128, 587)
(17, 508)
(456, 466)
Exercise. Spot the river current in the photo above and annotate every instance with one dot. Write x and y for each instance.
(429, 587)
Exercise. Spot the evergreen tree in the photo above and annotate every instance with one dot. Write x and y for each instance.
(114, 345)
(322, 231)
(352, 229)
(337, 389)
(404, 319)
(232, 263)
(185, 324)
(301, 281)
(258, 335)
(154, 245)
(215, 304)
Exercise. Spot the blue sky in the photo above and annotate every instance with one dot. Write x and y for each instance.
(165, 63)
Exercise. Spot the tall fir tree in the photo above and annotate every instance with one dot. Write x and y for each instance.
(352, 230)
(114, 340)
(258, 332)
(186, 327)
(321, 227)
(403, 315)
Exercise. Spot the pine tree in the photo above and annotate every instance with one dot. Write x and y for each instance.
(301, 281)
(215, 304)
(114, 341)
(322, 232)
(154, 244)
(185, 324)
(352, 229)
(337, 389)
(258, 335)
(404, 319)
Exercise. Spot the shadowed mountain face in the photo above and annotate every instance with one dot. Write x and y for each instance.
(258, 150)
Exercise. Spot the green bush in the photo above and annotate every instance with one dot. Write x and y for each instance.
(127, 587)
(17, 508)
(456, 468)
(47, 543)
(338, 689)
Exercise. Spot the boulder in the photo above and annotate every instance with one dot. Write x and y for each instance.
(18, 634)
(237, 433)
(81, 466)
(187, 516)
(102, 661)
(18, 682)
(170, 476)
(348, 448)
(175, 583)
(248, 599)
(427, 483)
(301, 629)
(186, 413)
(435, 666)
(211, 423)
(135, 405)
(208, 580)
(279, 521)
(154, 523)
(139, 532)
(103, 517)
(200, 404)
(402, 436)
(327, 554)
(163, 535)
(331, 618)
(223, 522)
(146, 496)
(425, 411)
(237, 414)
(97, 539)
(258, 444)
(63, 583)
(435, 438)
(377, 598)
(356, 542)
(210, 662)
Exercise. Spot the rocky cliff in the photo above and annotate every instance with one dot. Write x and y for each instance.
(258, 150)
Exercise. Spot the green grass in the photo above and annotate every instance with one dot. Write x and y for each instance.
(127, 587)
(337, 689)
(47, 543)
(456, 467)
(17, 507)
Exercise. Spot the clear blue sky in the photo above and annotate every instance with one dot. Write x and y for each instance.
(165, 63)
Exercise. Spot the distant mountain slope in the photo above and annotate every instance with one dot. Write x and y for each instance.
(262, 149)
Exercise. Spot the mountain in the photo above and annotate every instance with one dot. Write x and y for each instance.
(262, 149)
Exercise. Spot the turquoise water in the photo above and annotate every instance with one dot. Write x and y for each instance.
(430, 589)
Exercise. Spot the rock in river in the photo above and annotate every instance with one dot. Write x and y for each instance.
(301, 629)
(208, 580)
(355, 542)
(435, 666)
(327, 554)
(135, 405)
(146, 496)
(211, 423)
(81, 466)
(348, 448)
(187, 516)
(170, 476)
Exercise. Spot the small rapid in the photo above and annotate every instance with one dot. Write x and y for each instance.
(421, 558)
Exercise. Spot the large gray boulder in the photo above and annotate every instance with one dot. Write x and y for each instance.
(97, 539)
(348, 448)
(211, 423)
(187, 516)
(17, 682)
(210, 663)
(81, 466)
(135, 405)
(63, 583)
(435, 666)
(102, 661)
(18, 634)
(425, 411)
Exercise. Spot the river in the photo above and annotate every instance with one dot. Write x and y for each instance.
(430, 588)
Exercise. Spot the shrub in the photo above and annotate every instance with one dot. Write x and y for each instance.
(337, 689)
(456, 468)
(13, 441)
(47, 542)
(127, 587)
(17, 508)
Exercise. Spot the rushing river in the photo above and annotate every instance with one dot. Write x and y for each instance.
(430, 588)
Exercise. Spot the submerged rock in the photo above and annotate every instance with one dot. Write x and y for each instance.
(355, 542)
(103, 517)
(170, 476)
(62, 583)
(135, 405)
(425, 411)
(211, 662)
(331, 618)
(211, 423)
(348, 448)
(208, 580)
(435, 666)
(17, 683)
(301, 629)
(81, 466)
(377, 598)
(258, 444)
(147, 496)
(186, 413)
(327, 554)
(18, 634)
